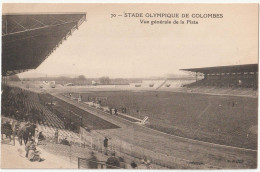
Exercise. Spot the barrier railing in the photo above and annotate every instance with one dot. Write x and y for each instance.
(95, 141)
(84, 163)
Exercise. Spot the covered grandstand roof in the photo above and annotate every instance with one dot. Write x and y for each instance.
(28, 39)
(225, 69)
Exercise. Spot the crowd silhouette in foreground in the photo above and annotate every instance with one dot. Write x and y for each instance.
(11, 130)
(115, 162)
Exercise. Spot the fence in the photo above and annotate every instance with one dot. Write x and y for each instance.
(95, 141)
(84, 163)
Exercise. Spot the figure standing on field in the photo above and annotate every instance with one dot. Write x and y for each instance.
(105, 145)
(56, 136)
(36, 136)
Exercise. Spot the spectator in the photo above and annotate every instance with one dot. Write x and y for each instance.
(105, 145)
(56, 136)
(34, 155)
(133, 164)
(27, 147)
(122, 162)
(16, 126)
(92, 161)
(142, 165)
(36, 136)
(113, 162)
(65, 142)
(123, 110)
(41, 136)
(148, 164)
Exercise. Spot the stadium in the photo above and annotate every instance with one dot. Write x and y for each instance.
(207, 120)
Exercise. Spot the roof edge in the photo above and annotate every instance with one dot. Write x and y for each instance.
(215, 67)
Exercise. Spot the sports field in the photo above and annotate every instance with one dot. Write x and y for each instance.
(228, 120)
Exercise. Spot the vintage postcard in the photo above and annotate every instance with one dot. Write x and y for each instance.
(129, 86)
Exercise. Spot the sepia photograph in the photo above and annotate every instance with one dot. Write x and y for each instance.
(151, 86)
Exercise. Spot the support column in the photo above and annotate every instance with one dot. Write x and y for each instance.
(6, 31)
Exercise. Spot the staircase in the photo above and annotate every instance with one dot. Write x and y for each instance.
(161, 84)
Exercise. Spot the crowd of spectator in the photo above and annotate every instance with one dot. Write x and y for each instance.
(116, 162)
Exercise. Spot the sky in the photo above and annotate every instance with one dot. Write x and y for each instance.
(123, 47)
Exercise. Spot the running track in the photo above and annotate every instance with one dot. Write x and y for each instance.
(219, 156)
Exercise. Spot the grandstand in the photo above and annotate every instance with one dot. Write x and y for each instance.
(33, 38)
(27, 40)
(237, 76)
